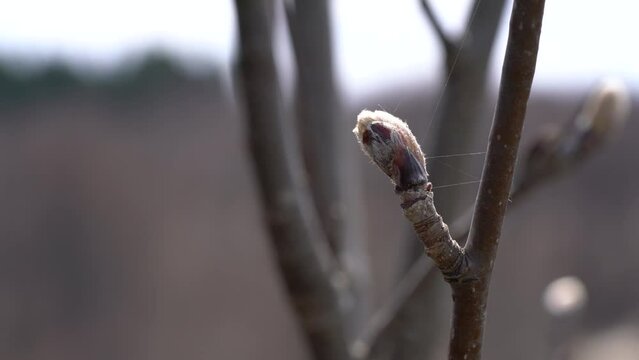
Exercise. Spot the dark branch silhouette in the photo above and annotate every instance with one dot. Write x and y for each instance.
(301, 249)
(318, 110)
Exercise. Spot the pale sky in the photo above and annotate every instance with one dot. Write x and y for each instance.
(377, 42)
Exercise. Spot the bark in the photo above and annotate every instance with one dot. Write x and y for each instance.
(471, 293)
(297, 238)
(458, 116)
(318, 113)
(324, 149)
(450, 46)
(601, 116)
(405, 306)
(457, 119)
(392, 147)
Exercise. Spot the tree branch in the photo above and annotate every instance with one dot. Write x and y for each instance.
(450, 47)
(517, 75)
(456, 121)
(402, 310)
(317, 111)
(602, 115)
(376, 340)
(393, 148)
(304, 259)
(329, 166)
(470, 294)
(407, 300)
(456, 117)
(391, 145)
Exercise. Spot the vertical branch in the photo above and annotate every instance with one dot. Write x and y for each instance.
(602, 114)
(470, 296)
(450, 47)
(318, 112)
(456, 123)
(598, 120)
(297, 238)
(323, 145)
(392, 147)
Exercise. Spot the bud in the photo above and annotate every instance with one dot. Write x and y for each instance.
(606, 109)
(391, 145)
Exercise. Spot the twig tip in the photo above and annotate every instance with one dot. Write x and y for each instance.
(608, 107)
(391, 145)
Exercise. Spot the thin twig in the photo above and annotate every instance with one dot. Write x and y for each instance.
(303, 257)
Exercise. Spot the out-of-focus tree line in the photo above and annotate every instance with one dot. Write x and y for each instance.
(146, 75)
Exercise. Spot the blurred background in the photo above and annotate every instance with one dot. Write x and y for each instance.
(130, 220)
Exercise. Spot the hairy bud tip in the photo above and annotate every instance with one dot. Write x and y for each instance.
(391, 145)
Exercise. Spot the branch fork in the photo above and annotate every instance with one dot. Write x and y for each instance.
(391, 145)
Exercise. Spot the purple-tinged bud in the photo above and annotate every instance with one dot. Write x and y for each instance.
(391, 145)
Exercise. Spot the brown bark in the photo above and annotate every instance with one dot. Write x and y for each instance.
(600, 117)
(458, 116)
(457, 119)
(318, 112)
(297, 237)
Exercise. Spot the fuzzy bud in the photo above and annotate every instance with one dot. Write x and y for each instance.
(606, 109)
(391, 145)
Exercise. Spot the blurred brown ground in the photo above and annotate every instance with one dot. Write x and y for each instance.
(132, 229)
